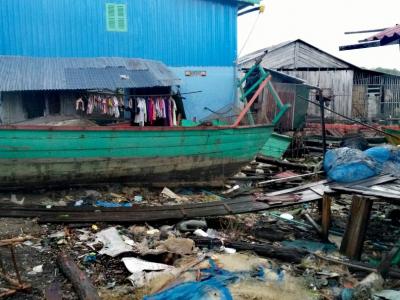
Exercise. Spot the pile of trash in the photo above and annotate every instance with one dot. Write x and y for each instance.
(273, 253)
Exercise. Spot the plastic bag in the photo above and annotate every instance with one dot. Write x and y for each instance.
(349, 165)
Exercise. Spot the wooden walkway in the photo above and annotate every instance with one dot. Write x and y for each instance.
(136, 213)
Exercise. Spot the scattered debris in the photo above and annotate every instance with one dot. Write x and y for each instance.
(166, 192)
(278, 227)
(113, 244)
(140, 270)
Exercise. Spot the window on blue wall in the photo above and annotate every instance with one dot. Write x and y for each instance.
(116, 17)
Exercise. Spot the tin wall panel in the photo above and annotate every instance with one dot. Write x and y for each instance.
(177, 32)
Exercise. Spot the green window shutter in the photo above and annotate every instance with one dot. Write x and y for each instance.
(111, 17)
(116, 17)
(121, 17)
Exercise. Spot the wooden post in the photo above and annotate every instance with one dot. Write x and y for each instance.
(384, 266)
(80, 281)
(354, 236)
(326, 214)
(53, 291)
(250, 103)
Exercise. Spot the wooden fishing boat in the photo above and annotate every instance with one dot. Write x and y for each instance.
(38, 155)
(393, 136)
(49, 155)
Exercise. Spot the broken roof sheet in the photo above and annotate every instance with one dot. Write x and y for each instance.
(19, 73)
(388, 34)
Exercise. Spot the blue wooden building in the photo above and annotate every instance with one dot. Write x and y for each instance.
(197, 39)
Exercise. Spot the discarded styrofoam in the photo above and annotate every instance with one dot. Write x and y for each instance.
(228, 250)
(138, 268)
(135, 265)
(287, 216)
(200, 232)
(58, 234)
(166, 192)
(36, 270)
(232, 189)
(113, 244)
(15, 200)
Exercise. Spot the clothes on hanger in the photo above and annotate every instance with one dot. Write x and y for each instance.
(141, 115)
(145, 111)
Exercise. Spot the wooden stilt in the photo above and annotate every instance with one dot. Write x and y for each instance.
(385, 264)
(326, 214)
(354, 236)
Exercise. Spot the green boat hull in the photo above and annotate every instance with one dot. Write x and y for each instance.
(50, 156)
(393, 136)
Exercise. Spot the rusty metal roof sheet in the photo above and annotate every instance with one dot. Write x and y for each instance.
(388, 34)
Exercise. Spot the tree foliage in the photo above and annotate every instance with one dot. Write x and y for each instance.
(388, 71)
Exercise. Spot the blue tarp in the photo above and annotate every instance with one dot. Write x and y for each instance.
(350, 165)
(214, 282)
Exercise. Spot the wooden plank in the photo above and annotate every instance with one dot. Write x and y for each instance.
(134, 208)
(361, 190)
(285, 179)
(298, 188)
(80, 281)
(277, 162)
(250, 103)
(292, 255)
(326, 215)
(384, 266)
(353, 239)
(140, 215)
(373, 181)
(53, 291)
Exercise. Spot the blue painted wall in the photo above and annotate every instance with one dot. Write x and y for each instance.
(177, 32)
(184, 34)
(217, 90)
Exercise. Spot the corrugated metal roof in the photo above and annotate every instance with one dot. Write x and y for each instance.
(388, 34)
(19, 73)
(260, 52)
(294, 54)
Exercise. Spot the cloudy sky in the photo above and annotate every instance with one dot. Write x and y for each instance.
(322, 23)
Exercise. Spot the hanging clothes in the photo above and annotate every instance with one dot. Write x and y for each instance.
(90, 105)
(173, 111)
(79, 104)
(167, 113)
(115, 107)
(179, 105)
(141, 116)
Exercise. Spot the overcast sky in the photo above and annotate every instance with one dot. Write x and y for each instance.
(322, 23)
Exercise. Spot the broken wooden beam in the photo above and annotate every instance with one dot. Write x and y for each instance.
(292, 255)
(386, 262)
(13, 241)
(313, 223)
(282, 163)
(286, 179)
(356, 265)
(53, 291)
(137, 213)
(80, 281)
(353, 239)
(326, 215)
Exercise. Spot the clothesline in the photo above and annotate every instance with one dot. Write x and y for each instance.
(144, 110)
(155, 95)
